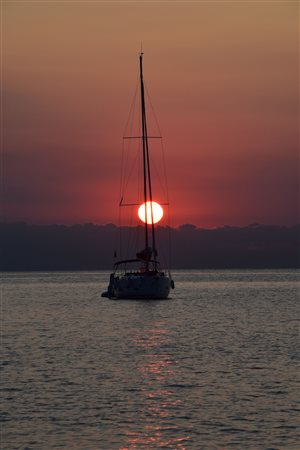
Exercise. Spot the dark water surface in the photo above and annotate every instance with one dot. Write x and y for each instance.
(215, 367)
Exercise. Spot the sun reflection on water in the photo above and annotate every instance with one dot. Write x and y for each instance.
(157, 368)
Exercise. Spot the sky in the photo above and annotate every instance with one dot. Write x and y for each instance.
(223, 79)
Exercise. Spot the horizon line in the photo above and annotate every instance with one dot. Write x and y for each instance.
(187, 224)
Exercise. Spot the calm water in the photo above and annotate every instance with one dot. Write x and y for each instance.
(215, 367)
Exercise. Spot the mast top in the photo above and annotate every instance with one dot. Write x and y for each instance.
(141, 70)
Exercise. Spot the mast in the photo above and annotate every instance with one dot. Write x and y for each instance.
(146, 165)
(144, 141)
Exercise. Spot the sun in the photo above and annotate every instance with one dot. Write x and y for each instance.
(157, 212)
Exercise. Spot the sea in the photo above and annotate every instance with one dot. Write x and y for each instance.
(212, 367)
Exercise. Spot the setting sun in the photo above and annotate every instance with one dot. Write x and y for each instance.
(157, 212)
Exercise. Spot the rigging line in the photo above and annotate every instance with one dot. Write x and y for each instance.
(125, 168)
(162, 144)
(154, 165)
(136, 237)
(133, 120)
(124, 161)
(132, 106)
(140, 157)
(169, 240)
(120, 234)
(130, 117)
(128, 152)
(122, 171)
(161, 248)
(153, 110)
(151, 205)
(130, 172)
(150, 190)
(139, 181)
(129, 149)
(165, 171)
(127, 177)
(130, 236)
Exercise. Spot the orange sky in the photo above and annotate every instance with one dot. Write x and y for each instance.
(223, 78)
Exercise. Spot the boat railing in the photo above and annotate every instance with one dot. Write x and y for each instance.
(137, 266)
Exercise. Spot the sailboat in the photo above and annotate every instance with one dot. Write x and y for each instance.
(141, 277)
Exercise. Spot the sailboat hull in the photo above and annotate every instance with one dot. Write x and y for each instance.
(139, 286)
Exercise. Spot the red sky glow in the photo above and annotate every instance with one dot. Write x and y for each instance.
(223, 78)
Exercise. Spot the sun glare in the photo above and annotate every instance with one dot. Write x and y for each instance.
(157, 212)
